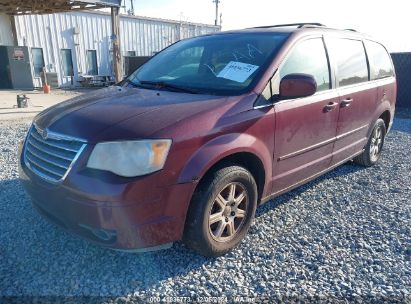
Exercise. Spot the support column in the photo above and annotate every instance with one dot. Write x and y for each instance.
(115, 37)
(14, 30)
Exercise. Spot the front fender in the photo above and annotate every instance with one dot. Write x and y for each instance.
(220, 147)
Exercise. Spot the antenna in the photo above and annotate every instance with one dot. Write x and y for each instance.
(217, 2)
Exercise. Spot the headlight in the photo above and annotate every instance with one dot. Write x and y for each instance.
(130, 158)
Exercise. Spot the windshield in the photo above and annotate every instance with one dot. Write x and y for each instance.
(229, 64)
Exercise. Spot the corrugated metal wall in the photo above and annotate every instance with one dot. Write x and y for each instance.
(82, 31)
(6, 36)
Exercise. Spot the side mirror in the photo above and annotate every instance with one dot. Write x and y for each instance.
(297, 85)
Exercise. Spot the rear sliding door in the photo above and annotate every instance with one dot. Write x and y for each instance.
(357, 96)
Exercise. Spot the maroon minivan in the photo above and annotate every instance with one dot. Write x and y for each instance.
(192, 142)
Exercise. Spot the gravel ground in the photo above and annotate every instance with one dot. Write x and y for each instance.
(345, 236)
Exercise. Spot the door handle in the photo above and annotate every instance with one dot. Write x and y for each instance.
(346, 102)
(330, 106)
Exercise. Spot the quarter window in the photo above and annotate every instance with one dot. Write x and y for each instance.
(38, 61)
(351, 61)
(67, 61)
(92, 62)
(380, 62)
(309, 57)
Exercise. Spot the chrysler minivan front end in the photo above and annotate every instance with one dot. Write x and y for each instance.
(64, 177)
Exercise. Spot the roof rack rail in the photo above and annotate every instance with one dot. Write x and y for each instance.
(351, 30)
(298, 25)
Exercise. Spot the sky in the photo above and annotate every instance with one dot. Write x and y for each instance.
(383, 20)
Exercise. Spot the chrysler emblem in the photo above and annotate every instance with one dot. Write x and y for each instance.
(43, 133)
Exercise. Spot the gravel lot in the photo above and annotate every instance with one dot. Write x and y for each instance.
(345, 236)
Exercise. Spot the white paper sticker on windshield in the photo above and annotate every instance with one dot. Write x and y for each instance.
(237, 71)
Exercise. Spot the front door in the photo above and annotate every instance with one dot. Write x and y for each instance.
(305, 128)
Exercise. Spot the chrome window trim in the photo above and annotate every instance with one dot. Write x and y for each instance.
(263, 106)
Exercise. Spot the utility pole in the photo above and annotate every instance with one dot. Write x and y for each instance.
(131, 10)
(217, 2)
(115, 37)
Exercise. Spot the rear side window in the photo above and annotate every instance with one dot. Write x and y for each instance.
(309, 57)
(380, 62)
(349, 55)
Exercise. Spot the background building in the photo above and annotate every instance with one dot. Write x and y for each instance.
(78, 45)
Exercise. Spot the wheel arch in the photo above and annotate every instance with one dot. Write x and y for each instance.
(232, 149)
(248, 161)
(386, 116)
(383, 111)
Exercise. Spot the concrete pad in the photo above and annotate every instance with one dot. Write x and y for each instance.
(38, 102)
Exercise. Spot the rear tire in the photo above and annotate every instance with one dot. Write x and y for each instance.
(372, 151)
(221, 211)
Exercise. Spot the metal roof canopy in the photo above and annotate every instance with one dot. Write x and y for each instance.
(25, 7)
(30, 7)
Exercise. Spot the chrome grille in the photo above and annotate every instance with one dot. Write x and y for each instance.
(51, 155)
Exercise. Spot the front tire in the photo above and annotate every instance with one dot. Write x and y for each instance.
(221, 211)
(372, 150)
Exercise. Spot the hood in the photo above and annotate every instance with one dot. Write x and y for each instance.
(90, 115)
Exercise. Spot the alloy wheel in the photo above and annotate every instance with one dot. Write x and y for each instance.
(228, 212)
(376, 144)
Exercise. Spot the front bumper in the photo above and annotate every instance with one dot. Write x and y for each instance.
(132, 215)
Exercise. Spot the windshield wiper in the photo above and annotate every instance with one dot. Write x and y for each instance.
(137, 85)
(166, 85)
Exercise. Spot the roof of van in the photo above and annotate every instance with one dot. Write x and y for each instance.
(297, 27)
